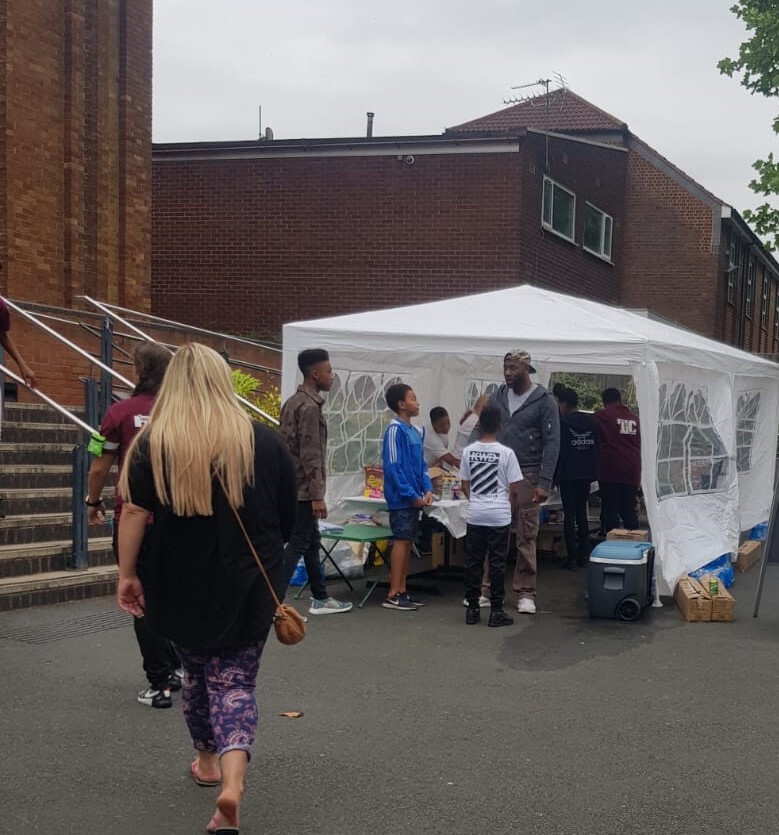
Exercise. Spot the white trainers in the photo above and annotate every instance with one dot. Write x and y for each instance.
(526, 606)
(329, 606)
(484, 602)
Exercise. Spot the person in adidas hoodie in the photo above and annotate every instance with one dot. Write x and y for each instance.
(530, 425)
(577, 468)
(407, 489)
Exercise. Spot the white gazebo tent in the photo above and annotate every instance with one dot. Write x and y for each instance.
(708, 412)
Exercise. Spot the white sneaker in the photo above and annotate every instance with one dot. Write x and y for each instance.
(329, 606)
(526, 606)
(484, 602)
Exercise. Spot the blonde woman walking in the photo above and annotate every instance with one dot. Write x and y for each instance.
(200, 586)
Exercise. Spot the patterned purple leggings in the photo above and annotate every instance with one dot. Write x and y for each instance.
(218, 697)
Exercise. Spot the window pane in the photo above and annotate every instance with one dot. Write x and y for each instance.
(607, 236)
(562, 213)
(591, 236)
(547, 202)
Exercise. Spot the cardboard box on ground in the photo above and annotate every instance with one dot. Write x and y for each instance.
(634, 536)
(749, 554)
(696, 603)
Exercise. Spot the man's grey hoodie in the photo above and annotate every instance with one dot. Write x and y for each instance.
(533, 431)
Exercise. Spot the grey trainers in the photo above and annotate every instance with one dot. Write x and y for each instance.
(155, 698)
(329, 606)
(484, 602)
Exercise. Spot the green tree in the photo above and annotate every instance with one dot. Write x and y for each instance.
(758, 66)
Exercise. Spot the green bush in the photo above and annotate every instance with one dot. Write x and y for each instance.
(267, 397)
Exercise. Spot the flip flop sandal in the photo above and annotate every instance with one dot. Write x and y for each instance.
(202, 781)
(213, 828)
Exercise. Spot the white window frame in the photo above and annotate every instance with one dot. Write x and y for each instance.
(747, 408)
(605, 256)
(764, 303)
(776, 314)
(732, 269)
(750, 293)
(548, 224)
(356, 413)
(685, 428)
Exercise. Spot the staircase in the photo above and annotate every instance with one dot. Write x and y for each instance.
(36, 475)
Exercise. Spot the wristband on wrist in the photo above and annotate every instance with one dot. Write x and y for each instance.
(92, 504)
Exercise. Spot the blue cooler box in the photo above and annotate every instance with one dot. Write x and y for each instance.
(620, 579)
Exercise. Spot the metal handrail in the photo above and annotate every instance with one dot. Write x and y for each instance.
(182, 326)
(48, 401)
(87, 356)
(106, 309)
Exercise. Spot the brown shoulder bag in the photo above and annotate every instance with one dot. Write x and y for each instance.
(288, 622)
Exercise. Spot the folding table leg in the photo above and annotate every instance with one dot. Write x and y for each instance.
(335, 566)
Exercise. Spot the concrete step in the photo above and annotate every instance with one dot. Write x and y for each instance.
(56, 587)
(25, 501)
(35, 476)
(44, 557)
(36, 413)
(37, 453)
(25, 432)
(42, 527)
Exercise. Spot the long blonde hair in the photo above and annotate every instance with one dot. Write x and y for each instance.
(195, 428)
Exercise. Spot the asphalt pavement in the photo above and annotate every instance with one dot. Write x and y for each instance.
(414, 722)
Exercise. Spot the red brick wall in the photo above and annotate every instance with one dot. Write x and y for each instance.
(76, 135)
(278, 240)
(75, 161)
(669, 266)
(593, 174)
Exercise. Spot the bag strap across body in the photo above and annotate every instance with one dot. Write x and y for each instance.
(249, 542)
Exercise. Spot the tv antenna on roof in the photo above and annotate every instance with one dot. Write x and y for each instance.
(548, 97)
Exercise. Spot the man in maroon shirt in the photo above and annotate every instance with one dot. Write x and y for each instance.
(121, 423)
(619, 462)
(9, 346)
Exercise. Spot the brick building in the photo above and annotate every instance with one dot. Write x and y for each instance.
(563, 196)
(75, 160)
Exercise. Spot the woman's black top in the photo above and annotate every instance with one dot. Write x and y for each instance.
(202, 587)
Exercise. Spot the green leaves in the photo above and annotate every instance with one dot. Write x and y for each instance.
(265, 396)
(758, 66)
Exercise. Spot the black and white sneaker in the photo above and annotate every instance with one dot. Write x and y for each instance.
(176, 681)
(155, 698)
(400, 602)
(415, 600)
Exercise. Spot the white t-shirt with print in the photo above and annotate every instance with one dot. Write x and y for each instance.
(489, 468)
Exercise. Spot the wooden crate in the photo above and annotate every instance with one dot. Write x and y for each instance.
(749, 554)
(693, 600)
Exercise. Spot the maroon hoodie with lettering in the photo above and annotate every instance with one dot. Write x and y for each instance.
(619, 436)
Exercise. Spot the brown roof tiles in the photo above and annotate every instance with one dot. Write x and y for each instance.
(567, 112)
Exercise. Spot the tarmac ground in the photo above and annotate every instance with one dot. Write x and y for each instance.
(414, 722)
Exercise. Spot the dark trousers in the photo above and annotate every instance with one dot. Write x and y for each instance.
(493, 543)
(576, 526)
(618, 501)
(159, 657)
(304, 542)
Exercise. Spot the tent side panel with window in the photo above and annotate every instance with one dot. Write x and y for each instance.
(708, 412)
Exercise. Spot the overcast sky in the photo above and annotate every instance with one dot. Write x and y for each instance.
(317, 66)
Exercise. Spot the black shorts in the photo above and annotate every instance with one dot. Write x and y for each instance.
(404, 523)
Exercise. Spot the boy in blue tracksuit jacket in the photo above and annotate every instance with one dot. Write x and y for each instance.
(407, 488)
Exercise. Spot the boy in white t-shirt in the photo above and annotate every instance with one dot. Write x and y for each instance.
(490, 476)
